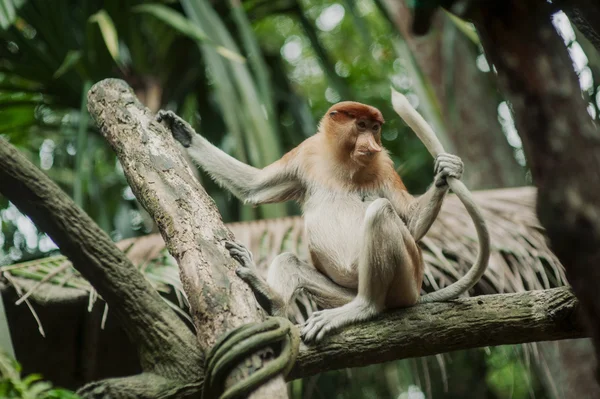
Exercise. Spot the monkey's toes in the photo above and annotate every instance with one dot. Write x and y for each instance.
(240, 253)
(317, 325)
(244, 273)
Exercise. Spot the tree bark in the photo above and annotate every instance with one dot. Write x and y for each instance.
(440, 327)
(559, 138)
(166, 346)
(186, 217)
(468, 99)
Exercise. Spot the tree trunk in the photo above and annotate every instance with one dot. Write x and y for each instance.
(559, 138)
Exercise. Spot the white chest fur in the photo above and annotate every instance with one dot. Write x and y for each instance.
(334, 226)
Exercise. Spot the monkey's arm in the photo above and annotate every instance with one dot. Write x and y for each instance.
(274, 183)
(421, 212)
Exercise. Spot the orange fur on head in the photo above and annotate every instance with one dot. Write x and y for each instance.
(348, 111)
(339, 126)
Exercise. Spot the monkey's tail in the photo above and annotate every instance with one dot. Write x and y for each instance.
(428, 137)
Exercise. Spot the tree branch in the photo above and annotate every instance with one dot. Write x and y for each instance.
(165, 344)
(429, 329)
(186, 217)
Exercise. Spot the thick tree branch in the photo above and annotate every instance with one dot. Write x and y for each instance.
(186, 216)
(166, 346)
(434, 328)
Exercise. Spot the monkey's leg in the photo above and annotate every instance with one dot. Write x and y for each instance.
(387, 259)
(287, 274)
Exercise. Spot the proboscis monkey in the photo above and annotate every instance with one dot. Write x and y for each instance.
(362, 224)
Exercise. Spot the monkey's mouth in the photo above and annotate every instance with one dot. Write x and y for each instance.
(364, 154)
(363, 158)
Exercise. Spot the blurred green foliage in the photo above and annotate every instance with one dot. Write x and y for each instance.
(14, 386)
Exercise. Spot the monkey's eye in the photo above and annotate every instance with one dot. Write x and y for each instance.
(362, 125)
(375, 127)
(332, 113)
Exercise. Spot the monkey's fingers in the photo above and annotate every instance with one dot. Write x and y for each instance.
(446, 159)
(164, 115)
(451, 169)
(180, 129)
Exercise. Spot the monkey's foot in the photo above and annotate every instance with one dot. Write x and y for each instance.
(180, 129)
(447, 165)
(247, 269)
(324, 321)
(271, 302)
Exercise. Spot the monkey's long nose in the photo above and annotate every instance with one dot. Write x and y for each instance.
(374, 147)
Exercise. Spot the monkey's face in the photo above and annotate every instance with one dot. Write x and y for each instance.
(355, 130)
(368, 140)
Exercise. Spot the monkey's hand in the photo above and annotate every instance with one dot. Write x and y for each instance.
(447, 165)
(272, 303)
(180, 129)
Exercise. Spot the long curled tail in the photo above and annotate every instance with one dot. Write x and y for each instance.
(429, 139)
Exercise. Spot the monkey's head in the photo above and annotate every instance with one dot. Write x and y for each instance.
(354, 131)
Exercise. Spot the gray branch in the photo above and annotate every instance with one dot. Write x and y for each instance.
(434, 328)
(186, 216)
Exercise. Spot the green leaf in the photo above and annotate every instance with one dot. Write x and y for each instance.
(232, 55)
(37, 389)
(466, 28)
(8, 12)
(173, 19)
(31, 378)
(109, 33)
(185, 27)
(71, 59)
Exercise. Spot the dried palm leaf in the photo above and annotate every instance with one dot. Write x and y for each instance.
(520, 260)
